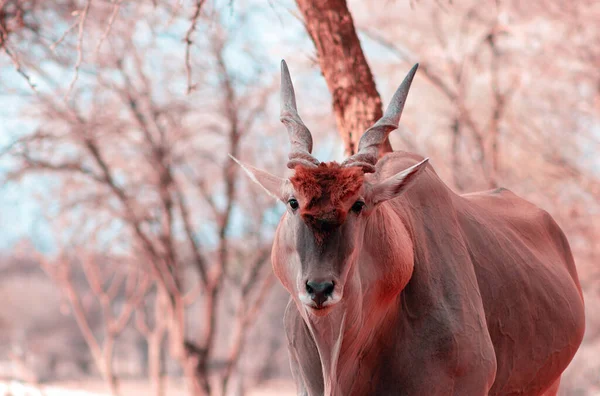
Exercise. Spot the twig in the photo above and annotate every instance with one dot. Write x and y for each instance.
(111, 20)
(64, 35)
(201, 184)
(188, 44)
(15, 60)
(194, 245)
(82, 19)
(132, 302)
(405, 55)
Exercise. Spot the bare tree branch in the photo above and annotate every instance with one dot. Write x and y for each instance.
(82, 19)
(55, 44)
(111, 21)
(188, 44)
(15, 60)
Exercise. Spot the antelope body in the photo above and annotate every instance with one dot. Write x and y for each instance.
(399, 286)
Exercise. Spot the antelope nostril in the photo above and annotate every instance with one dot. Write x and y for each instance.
(309, 289)
(329, 289)
(319, 292)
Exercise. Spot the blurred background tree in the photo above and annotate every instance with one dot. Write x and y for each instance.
(116, 119)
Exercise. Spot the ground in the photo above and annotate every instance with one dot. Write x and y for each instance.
(129, 388)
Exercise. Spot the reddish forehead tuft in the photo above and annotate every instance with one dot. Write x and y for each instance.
(324, 190)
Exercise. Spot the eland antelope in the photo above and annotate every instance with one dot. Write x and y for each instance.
(399, 286)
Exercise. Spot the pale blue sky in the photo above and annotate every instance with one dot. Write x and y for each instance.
(280, 35)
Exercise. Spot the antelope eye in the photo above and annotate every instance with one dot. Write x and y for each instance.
(293, 203)
(358, 206)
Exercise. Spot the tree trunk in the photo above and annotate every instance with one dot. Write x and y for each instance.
(107, 366)
(196, 377)
(192, 359)
(155, 367)
(113, 385)
(356, 102)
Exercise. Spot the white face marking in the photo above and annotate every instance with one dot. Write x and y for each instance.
(332, 300)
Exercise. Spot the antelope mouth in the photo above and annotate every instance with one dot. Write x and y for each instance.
(316, 302)
(320, 310)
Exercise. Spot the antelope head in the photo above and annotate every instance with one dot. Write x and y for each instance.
(321, 235)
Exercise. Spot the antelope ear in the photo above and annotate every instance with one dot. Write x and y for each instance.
(394, 186)
(273, 185)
